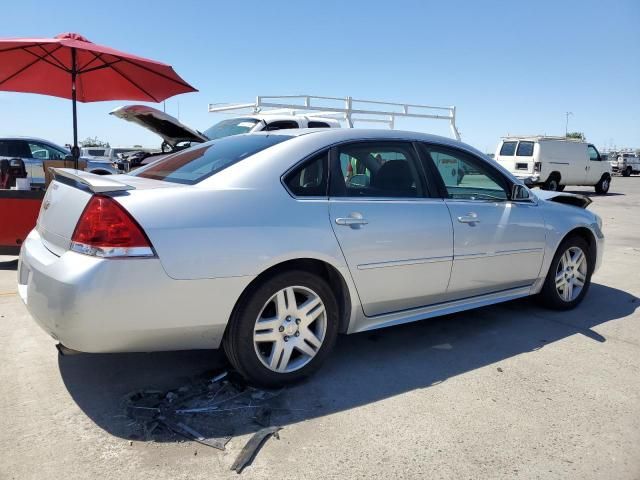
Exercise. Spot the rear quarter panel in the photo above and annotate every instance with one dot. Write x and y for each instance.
(201, 233)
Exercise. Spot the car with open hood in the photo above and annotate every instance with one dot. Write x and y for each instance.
(177, 136)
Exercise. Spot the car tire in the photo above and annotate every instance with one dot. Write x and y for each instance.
(602, 187)
(289, 346)
(627, 172)
(559, 289)
(561, 188)
(552, 184)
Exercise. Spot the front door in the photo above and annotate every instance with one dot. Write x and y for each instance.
(396, 238)
(498, 243)
(595, 166)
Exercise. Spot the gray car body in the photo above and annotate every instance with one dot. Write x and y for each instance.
(215, 238)
(35, 168)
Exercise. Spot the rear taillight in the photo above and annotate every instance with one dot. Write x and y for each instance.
(537, 167)
(105, 229)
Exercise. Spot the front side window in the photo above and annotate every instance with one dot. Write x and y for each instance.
(466, 177)
(525, 149)
(593, 153)
(195, 164)
(508, 149)
(310, 179)
(232, 126)
(45, 152)
(372, 169)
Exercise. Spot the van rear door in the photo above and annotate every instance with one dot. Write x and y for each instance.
(524, 158)
(505, 154)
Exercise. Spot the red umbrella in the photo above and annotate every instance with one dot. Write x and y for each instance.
(70, 66)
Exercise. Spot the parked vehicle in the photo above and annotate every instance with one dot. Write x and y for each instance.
(177, 136)
(108, 154)
(33, 151)
(554, 162)
(625, 164)
(246, 242)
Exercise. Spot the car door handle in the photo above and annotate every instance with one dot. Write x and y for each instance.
(470, 217)
(351, 221)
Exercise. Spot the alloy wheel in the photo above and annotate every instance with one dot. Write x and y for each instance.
(290, 329)
(571, 274)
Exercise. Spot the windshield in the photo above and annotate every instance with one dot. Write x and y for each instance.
(233, 126)
(197, 163)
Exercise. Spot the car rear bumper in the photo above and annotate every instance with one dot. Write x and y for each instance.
(527, 178)
(122, 305)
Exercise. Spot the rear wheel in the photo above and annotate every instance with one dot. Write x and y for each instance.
(627, 172)
(283, 329)
(561, 188)
(602, 187)
(569, 275)
(552, 184)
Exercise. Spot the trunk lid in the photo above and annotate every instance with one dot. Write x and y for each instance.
(68, 195)
(167, 127)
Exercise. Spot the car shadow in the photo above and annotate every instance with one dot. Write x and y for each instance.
(364, 368)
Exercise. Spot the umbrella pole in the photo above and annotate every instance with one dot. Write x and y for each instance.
(75, 151)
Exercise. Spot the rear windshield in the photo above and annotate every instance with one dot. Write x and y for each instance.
(525, 149)
(197, 163)
(233, 126)
(508, 148)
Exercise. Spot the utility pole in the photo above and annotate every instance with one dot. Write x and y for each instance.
(566, 124)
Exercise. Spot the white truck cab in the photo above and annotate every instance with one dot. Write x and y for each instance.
(554, 162)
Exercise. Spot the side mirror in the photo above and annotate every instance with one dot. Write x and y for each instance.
(68, 158)
(520, 193)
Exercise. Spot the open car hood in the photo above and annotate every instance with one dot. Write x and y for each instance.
(574, 199)
(168, 127)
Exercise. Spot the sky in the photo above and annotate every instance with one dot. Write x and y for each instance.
(508, 67)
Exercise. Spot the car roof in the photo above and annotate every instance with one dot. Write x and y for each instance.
(346, 134)
(34, 139)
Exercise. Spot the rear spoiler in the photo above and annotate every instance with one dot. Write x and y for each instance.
(95, 183)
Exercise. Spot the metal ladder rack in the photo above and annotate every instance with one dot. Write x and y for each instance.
(348, 109)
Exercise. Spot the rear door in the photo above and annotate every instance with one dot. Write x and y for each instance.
(396, 237)
(498, 244)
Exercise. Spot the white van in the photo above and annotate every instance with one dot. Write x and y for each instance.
(554, 162)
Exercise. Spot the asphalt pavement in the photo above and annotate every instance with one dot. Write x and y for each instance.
(508, 391)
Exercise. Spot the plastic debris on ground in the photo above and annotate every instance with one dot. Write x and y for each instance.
(209, 411)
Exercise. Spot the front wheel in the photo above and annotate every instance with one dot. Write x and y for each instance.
(282, 330)
(569, 275)
(627, 172)
(602, 187)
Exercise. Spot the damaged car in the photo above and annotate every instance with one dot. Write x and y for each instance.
(270, 245)
(177, 136)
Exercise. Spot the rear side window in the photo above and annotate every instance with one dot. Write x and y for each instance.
(508, 149)
(282, 125)
(310, 179)
(313, 124)
(195, 164)
(525, 149)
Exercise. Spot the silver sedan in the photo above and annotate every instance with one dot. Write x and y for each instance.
(272, 244)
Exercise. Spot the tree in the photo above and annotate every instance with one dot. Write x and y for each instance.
(576, 135)
(94, 142)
